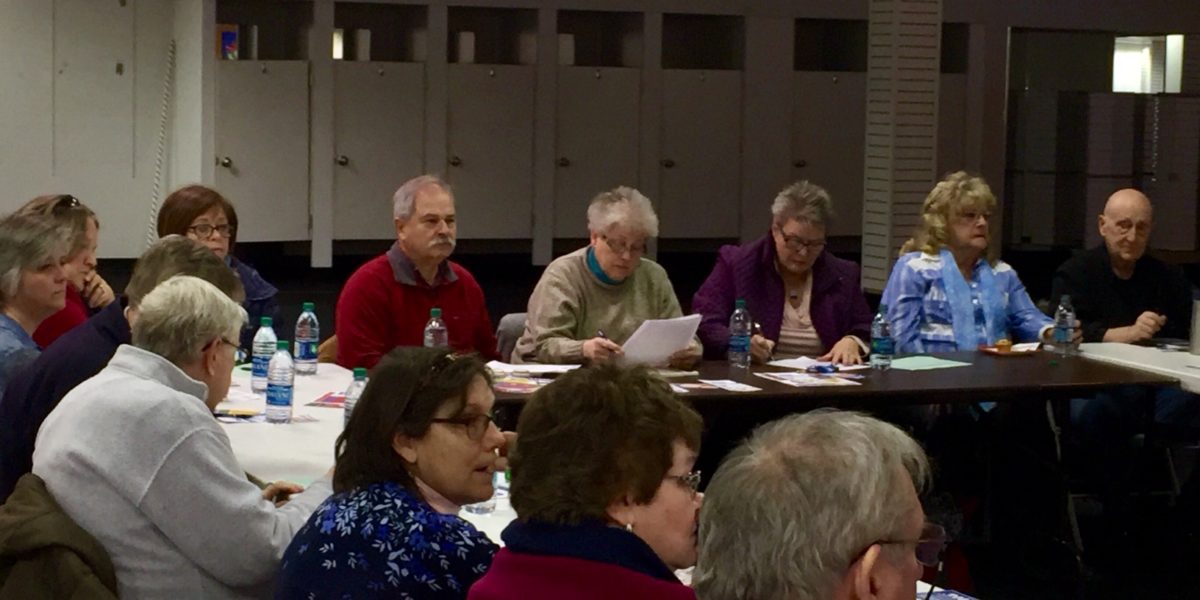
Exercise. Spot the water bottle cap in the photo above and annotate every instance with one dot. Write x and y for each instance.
(435, 312)
(739, 303)
(1066, 299)
(360, 373)
(281, 345)
(265, 321)
(309, 306)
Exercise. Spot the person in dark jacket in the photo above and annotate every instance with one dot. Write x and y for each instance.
(82, 352)
(604, 492)
(204, 215)
(807, 301)
(44, 554)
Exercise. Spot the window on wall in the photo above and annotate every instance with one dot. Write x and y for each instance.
(1148, 64)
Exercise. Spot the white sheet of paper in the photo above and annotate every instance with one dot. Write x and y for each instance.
(240, 401)
(804, 362)
(531, 369)
(730, 385)
(657, 339)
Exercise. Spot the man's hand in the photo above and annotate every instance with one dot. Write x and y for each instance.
(280, 492)
(600, 349)
(96, 292)
(760, 349)
(685, 359)
(846, 352)
(1147, 325)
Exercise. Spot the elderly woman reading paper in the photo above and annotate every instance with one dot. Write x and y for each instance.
(590, 301)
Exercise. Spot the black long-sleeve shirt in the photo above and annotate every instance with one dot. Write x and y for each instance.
(1103, 301)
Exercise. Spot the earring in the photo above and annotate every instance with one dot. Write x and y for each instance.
(629, 527)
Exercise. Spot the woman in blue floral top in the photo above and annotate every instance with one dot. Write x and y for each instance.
(420, 444)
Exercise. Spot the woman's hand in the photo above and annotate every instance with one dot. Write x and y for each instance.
(685, 359)
(280, 492)
(760, 349)
(846, 352)
(600, 349)
(96, 292)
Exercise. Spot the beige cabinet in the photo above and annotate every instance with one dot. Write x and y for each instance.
(700, 168)
(828, 137)
(489, 160)
(261, 143)
(379, 116)
(596, 140)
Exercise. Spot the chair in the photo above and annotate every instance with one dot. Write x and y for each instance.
(327, 351)
(508, 331)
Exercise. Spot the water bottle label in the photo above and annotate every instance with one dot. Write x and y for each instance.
(883, 346)
(1062, 335)
(306, 351)
(279, 395)
(258, 366)
(739, 343)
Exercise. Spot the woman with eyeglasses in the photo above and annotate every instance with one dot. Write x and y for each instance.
(604, 490)
(807, 302)
(87, 291)
(420, 444)
(588, 302)
(32, 286)
(948, 290)
(204, 215)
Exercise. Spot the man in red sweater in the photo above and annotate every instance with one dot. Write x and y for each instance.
(386, 303)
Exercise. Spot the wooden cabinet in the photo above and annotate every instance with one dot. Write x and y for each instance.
(379, 117)
(828, 137)
(596, 140)
(261, 141)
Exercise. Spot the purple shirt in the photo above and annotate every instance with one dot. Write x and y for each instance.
(837, 307)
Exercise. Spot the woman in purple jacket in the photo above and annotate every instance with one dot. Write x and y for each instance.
(807, 301)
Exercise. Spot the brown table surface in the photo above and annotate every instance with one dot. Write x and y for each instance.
(1039, 376)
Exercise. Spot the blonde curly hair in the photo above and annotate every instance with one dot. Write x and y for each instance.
(957, 193)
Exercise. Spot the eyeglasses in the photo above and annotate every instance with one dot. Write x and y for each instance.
(691, 481)
(928, 547)
(205, 231)
(476, 425)
(796, 243)
(972, 216)
(620, 248)
(1123, 227)
(64, 203)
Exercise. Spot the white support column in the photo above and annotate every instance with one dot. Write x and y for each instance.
(902, 115)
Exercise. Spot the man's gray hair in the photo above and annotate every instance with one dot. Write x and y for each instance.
(404, 201)
(28, 243)
(802, 201)
(790, 508)
(183, 314)
(622, 206)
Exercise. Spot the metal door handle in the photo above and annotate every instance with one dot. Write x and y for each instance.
(668, 163)
(343, 160)
(564, 162)
(455, 161)
(226, 162)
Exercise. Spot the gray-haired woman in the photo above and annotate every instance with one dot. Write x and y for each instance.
(134, 456)
(590, 301)
(32, 286)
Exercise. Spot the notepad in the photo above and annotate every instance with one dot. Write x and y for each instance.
(925, 363)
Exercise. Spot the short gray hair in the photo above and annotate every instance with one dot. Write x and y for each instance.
(789, 509)
(27, 243)
(802, 201)
(183, 314)
(404, 201)
(622, 206)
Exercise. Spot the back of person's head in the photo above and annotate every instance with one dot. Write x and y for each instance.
(27, 243)
(593, 435)
(69, 212)
(183, 314)
(177, 255)
(793, 507)
(405, 391)
(185, 204)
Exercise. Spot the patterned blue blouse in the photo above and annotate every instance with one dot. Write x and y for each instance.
(922, 317)
(383, 541)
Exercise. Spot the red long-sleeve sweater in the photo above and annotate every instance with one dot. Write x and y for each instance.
(386, 303)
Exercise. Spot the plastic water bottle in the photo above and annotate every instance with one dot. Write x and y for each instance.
(740, 327)
(281, 376)
(488, 506)
(354, 392)
(260, 354)
(436, 335)
(308, 335)
(1064, 326)
(883, 345)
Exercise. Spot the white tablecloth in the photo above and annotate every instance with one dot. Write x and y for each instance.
(1147, 358)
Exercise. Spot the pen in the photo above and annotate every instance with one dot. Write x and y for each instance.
(600, 334)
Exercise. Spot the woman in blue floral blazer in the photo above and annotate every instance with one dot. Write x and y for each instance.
(420, 444)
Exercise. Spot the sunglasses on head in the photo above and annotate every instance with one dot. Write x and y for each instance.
(64, 203)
